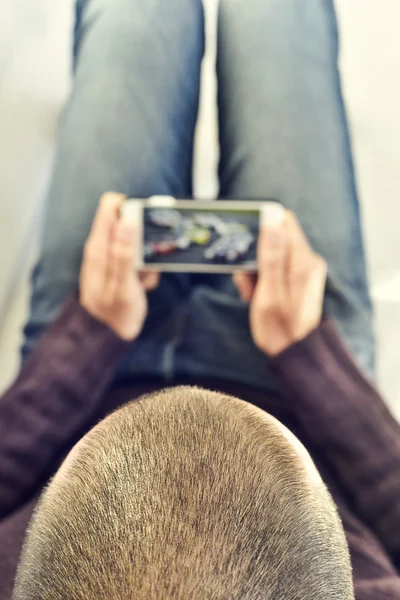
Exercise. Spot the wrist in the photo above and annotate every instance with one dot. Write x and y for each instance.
(126, 331)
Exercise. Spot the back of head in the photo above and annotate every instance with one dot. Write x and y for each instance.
(185, 494)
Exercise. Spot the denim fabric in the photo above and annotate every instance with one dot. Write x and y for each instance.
(129, 126)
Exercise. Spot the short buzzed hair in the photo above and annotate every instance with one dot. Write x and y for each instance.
(185, 494)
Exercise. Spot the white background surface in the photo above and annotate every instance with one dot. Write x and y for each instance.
(35, 38)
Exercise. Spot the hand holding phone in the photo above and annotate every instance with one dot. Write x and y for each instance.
(111, 289)
(286, 299)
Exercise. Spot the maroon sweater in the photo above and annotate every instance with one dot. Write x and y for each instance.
(62, 392)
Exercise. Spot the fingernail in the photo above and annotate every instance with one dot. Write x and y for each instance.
(272, 215)
(111, 200)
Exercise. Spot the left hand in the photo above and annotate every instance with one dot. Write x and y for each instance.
(111, 290)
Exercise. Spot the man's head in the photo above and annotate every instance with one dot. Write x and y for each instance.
(186, 494)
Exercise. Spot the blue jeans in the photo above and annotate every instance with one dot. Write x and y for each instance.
(128, 126)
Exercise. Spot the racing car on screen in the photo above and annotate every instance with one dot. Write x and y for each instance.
(230, 248)
(220, 226)
(199, 236)
(188, 230)
(165, 217)
(211, 221)
(164, 247)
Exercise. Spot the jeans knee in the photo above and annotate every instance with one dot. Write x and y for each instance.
(284, 14)
(176, 22)
(134, 11)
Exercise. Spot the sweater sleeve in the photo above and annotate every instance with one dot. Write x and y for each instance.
(343, 414)
(57, 391)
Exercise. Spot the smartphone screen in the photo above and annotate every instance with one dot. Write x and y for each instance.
(219, 236)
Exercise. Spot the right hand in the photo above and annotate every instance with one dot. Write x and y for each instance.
(287, 296)
(111, 290)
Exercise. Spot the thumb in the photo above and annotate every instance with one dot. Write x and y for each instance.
(121, 261)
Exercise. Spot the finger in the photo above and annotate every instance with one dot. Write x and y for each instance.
(313, 300)
(121, 262)
(106, 214)
(300, 251)
(245, 283)
(301, 256)
(97, 246)
(150, 280)
(272, 252)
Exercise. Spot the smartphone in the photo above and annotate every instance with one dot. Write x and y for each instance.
(199, 237)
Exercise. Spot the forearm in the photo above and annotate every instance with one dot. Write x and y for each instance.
(57, 391)
(344, 415)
